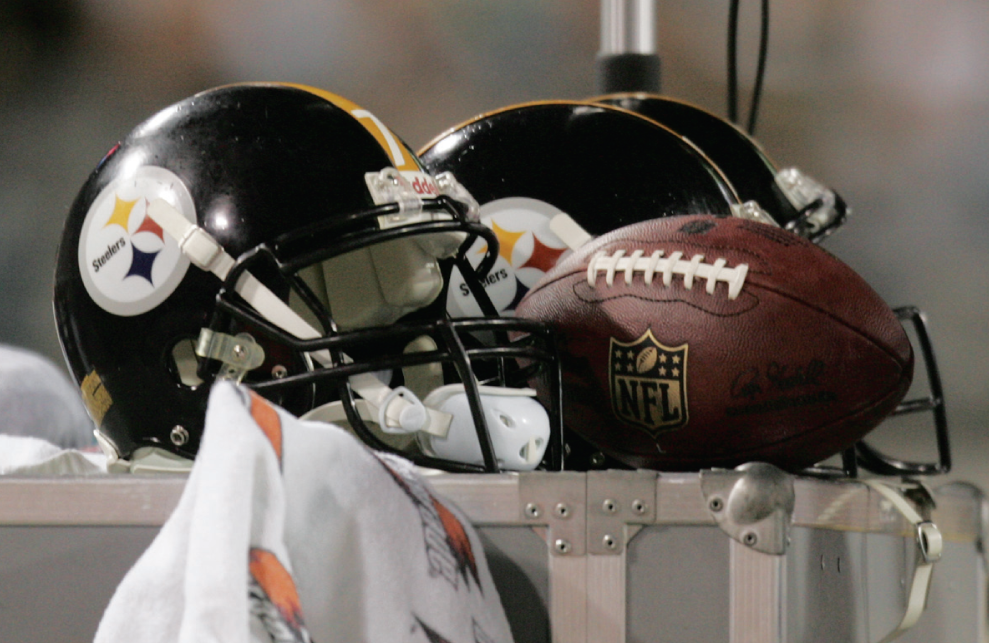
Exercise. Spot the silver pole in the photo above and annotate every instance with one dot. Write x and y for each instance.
(627, 60)
(628, 27)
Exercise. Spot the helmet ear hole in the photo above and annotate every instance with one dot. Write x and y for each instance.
(182, 363)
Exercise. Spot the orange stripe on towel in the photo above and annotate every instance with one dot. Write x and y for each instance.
(267, 418)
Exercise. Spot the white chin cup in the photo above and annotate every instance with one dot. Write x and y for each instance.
(517, 423)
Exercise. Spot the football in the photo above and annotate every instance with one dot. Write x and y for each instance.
(698, 341)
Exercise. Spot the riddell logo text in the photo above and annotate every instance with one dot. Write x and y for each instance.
(422, 186)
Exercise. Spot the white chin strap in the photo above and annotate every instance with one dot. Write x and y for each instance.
(569, 231)
(207, 254)
(410, 419)
(517, 423)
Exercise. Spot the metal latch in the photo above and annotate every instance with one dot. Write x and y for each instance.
(753, 504)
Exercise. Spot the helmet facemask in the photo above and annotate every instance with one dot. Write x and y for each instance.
(379, 329)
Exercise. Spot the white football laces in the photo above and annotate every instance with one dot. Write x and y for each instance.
(656, 263)
(574, 236)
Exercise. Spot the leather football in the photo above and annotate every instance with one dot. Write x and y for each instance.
(698, 341)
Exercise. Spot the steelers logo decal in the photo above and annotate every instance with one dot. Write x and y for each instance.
(128, 263)
(527, 250)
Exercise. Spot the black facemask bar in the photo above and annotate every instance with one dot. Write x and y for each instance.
(871, 459)
(535, 350)
(339, 235)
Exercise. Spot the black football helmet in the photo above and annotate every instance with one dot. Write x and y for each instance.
(792, 199)
(282, 236)
(550, 175)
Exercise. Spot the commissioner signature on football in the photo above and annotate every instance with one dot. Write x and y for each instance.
(754, 381)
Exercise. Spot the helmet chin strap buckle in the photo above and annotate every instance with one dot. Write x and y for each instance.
(821, 210)
(238, 354)
(387, 407)
(411, 418)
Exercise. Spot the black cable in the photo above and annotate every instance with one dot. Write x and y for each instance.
(761, 69)
(733, 9)
(733, 61)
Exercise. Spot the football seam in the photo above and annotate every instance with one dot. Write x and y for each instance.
(665, 301)
(893, 356)
(837, 319)
(871, 404)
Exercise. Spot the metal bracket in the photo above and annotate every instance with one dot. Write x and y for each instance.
(555, 505)
(821, 210)
(596, 512)
(753, 504)
(616, 502)
(238, 354)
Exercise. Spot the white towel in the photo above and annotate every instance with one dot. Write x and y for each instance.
(24, 455)
(38, 400)
(303, 528)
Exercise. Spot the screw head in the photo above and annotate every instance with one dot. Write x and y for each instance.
(716, 504)
(532, 510)
(278, 371)
(638, 506)
(179, 435)
(562, 546)
(562, 510)
(609, 506)
(750, 538)
(609, 541)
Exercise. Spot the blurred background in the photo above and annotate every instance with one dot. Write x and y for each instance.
(885, 101)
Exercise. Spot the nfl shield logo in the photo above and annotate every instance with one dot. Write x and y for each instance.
(649, 383)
